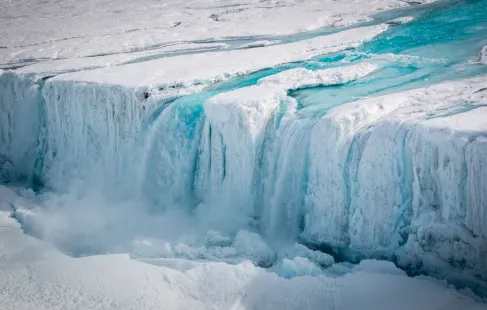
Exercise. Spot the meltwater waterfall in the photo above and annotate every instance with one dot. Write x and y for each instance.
(375, 150)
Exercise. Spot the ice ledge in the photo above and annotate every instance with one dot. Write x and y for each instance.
(197, 69)
(303, 78)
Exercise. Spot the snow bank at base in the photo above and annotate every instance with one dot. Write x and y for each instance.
(249, 244)
(34, 275)
(299, 250)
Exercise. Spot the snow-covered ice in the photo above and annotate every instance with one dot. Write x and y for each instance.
(31, 30)
(243, 154)
(303, 78)
(205, 68)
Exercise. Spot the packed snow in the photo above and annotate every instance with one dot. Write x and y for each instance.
(35, 31)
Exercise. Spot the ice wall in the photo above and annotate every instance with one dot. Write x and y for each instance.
(369, 179)
(92, 133)
(399, 169)
(232, 138)
(20, 122)
(449, 209)
(398, 177)
(169, 155)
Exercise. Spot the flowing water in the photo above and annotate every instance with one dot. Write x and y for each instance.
(232, 174)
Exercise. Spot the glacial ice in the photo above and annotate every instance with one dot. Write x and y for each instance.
(376, 153)
(246, 157)
(190, 71)
(131, 94)
(89, 136)
(124, 27)
(19, 126)
(146, 158)
(206, 165)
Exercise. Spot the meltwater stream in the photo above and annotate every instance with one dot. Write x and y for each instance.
(250, 165)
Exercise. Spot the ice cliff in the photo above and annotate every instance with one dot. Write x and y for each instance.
(399, 176)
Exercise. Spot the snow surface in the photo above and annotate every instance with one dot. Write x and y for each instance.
(190, 70)
(31, 30)
(34, 275)
(118, 117)
(303, 78)
(59, 66)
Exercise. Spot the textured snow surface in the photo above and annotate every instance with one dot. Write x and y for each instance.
(302, 78)
(58, 66)
(190, 70)
(31, 30)
(34, 275)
